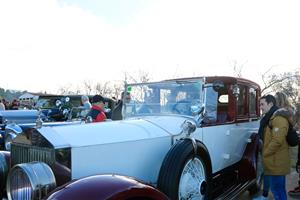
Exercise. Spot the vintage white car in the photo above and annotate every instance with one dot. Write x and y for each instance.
(192, 138)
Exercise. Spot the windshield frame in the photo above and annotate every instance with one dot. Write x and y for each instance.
(166, 95)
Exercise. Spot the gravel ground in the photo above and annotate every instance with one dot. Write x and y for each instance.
(291, 179)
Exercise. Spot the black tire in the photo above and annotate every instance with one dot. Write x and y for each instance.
(172, 175)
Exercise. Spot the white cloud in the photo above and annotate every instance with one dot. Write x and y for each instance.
(45, 44)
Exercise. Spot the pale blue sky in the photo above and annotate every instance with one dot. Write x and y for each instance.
(116, 12)
(75, 41)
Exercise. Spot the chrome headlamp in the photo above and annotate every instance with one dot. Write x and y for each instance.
(58, 103)
(67, 99)
(11, 131)
(9, 136)
(4, 166)
(30, 181)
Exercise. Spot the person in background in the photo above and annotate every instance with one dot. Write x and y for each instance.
(86, 105)
(14, 105)
(117, 111)
(97, 111)
(296, 190)
(286, 110)
(275, 152)
(108, 108)
(6, 104)
(282, 99)
(2, 106)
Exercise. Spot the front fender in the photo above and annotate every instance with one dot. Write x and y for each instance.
(11, 131)
(106, 187)
(14, 127)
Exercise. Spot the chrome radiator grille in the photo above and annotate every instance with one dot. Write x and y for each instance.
(22, 153)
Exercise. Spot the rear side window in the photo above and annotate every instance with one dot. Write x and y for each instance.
(241, 101)
(252, 101)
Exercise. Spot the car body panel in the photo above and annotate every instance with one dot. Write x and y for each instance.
(19, 116)
(122, 158)
(101, 133)
(228, 144)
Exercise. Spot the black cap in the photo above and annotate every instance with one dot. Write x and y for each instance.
(97, 98)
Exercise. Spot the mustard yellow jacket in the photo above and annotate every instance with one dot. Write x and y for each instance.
(276, 158)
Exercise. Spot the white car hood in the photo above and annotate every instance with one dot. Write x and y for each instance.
(112, 131)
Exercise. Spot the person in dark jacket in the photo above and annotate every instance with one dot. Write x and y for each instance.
(117, 111)
(97, 110)
(286, 110)
(276, 159)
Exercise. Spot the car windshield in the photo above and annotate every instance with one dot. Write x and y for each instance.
(46, 103)
(168, 97)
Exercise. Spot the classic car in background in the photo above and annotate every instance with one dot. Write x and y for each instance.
(65, 112)
(192, 138)
(52, 108)
(15, 117)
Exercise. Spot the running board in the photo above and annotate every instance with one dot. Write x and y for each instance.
(234, 191)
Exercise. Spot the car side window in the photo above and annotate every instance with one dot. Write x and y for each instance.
(241, 101)
(252, 102)
(211, 105)
(223, 115)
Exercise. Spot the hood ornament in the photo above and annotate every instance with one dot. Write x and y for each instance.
(39, 121)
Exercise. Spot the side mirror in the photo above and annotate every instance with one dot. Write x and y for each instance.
(65, 112)
(89, 119)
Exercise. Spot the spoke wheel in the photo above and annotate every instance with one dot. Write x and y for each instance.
(192, 184)
(186, 174)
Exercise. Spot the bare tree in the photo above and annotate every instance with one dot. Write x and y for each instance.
(64, 90)
(237, 68)
(141, 77)
(104, 89)
(287, 82)
(107, 89)
(88, 87)
(117, 89)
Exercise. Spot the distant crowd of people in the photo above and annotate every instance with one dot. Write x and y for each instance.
(99, 109)
(6, 105)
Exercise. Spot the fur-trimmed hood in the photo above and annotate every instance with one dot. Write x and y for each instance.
(287, 113)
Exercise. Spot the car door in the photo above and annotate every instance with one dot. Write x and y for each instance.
(246, 120)
(216, 134)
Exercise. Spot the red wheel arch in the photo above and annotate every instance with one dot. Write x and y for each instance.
(106, 187)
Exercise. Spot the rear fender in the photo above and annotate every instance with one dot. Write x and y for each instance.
(106, 187)
(247, 168)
